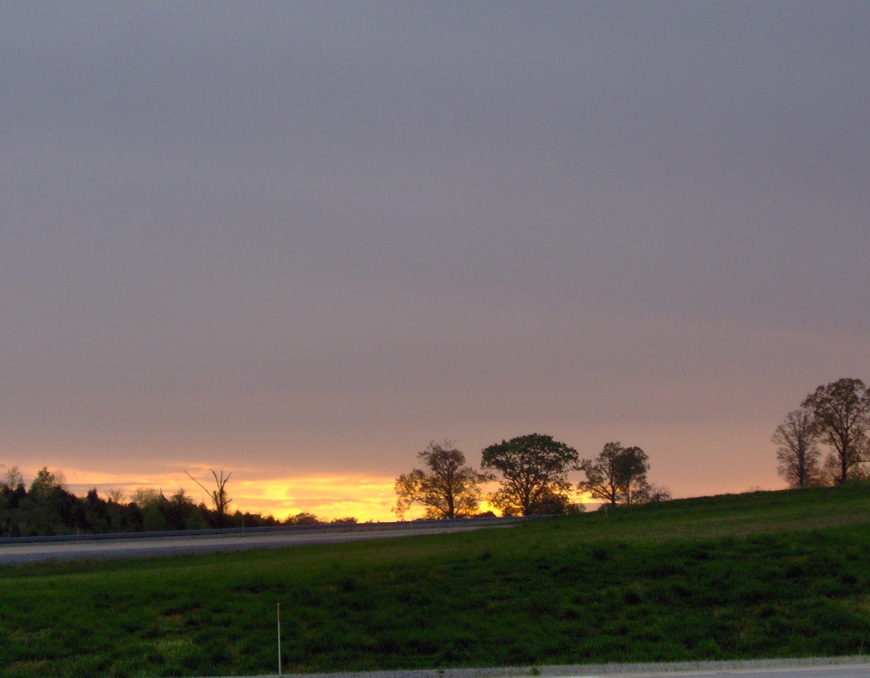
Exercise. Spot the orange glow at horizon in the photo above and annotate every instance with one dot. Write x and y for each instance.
(328, 497)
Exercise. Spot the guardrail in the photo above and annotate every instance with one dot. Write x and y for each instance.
(277, 529)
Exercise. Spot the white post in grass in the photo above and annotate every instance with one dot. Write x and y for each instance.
(279, 639)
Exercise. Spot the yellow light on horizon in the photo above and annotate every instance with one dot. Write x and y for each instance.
(326, 496)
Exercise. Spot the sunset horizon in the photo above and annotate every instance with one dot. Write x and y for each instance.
(366, 498)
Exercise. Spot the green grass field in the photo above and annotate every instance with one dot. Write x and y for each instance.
(764, 575)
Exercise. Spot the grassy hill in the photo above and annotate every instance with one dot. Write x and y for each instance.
(761, 575)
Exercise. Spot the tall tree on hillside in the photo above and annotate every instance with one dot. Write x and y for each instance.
(617, 475)
(798, 453)
(841, 417)
(534, 473)
(447, 488)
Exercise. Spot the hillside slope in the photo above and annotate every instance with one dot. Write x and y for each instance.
(763, 575)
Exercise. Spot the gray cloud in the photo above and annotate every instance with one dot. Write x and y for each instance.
(323, 234)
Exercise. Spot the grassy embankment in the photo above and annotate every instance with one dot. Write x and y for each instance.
(783, 574)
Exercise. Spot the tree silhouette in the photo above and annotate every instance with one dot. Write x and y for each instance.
(798, 453)
(533, 468)
(447, 488)
(617, 475)
(841, 416)
(219, 496)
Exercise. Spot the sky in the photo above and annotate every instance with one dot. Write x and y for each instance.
(300, 241)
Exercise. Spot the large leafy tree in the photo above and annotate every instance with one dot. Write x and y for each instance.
(617, 475)
(534, 474)
(798, 453)
(446, 487)
(841, 416)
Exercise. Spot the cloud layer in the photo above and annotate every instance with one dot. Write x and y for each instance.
(309, 239)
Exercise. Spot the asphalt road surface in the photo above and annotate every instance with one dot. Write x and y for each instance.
(814, 672)
(154, 544)
(846, 667)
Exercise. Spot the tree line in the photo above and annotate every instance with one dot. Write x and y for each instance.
(532, 470)
(47, 508)
(532, 476)
(836, 416)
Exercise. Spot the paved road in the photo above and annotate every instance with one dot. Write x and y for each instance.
(814, 672)
(846, 667)
(31, 551)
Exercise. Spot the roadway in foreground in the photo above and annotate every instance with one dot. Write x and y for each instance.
(17, 551)
(839, 667)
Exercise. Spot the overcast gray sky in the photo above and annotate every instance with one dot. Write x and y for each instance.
(304, 239)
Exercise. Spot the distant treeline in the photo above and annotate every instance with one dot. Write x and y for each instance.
(47, 509)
